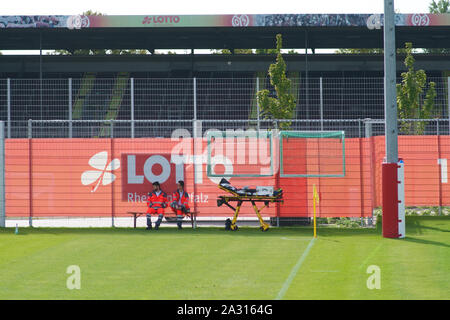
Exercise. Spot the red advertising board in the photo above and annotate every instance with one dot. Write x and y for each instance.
(95, 177)
(140, 170)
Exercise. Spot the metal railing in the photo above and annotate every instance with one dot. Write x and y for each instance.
(319, 100)
(356, 128)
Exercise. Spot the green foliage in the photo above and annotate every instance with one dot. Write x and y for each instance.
(266, 51)
(331, 220)
(236, 51)
(409, 94)
(348, 223)
(322, 220)
(419, 211)
(250, 51)
(360, 51)
(441, 6)
(283, 106)
(367, 51)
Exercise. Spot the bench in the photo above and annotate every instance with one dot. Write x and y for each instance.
(170, 215)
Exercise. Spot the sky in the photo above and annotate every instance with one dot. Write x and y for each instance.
(186, 7)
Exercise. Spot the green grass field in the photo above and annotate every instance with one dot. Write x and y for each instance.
(210, 263)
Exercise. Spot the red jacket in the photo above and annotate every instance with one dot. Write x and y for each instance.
(184, 198)
(157, 201)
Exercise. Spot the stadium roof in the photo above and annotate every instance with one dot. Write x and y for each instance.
(219, 31)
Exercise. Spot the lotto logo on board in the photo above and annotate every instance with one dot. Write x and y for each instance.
(101, 171)
(139, 171)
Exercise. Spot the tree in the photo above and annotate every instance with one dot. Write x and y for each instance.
(367, 51)
(266, 51)
(251, 51)
(236, 51)
(98, 51)
(283, 106)
(360, 51)
(409, 94)
(442, 6)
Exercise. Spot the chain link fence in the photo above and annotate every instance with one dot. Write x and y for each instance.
(125, 107)
(211, 99)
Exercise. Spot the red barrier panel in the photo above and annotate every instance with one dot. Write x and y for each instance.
(390, 200)
(104, 177)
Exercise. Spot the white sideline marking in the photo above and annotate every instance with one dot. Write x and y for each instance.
(299, 239)
(294, 271)
(370, 255)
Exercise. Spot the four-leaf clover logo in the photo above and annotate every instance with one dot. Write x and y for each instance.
(103, 173)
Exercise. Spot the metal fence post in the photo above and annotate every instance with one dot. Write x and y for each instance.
(368, 134)
(70, 108)
(196, 126)
(257, 103)
(30, 171)
(440, 173)
(368, 127)
(196, 160)
(132, 106)
(195, 97)
(390, 101)
(2, 175)
(277, 178)
(359, 128)
(321, 104)
(448, 102)
(111, 129)
(8, 83)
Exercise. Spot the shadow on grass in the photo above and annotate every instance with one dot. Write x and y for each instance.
(420, 225)
(427, 242)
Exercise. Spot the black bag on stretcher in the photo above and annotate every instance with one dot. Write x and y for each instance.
(246, 194)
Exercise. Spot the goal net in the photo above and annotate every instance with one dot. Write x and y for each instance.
(312, 153)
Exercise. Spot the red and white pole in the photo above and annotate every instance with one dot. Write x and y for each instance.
(393, 221)
(392, 169)
(401, 198)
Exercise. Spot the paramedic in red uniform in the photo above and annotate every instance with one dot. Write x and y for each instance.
(156, 202)
(180, 203)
